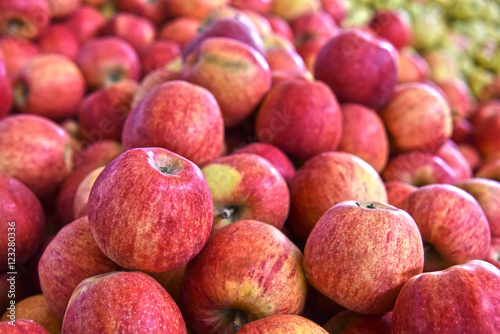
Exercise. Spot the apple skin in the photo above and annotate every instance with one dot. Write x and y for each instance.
(486, 134)
(459, 98)
(463, 132)
(252, 5)
(49, 85)
(246, 186)
(279, 26)
(257, 273)
(325, 180)
(62, 9)
(274, 155)
(219, 63)
(179, 116)
(282, 324)
(489, 170)
(102, 113)
(158, 54)
(411, 66)
(395, 26)
(82, 193)
(180, 30)
(6, 96)
(101, 151)
(69, 258)
(363, 134)
(197, 8)
(138, 31)
(292, 10)
(86, 22)
(151, 309)
(302, 118)
(24, 18)
(361, 253)
(22, 326)
(20, 206)
(471, 154)
(417, 118)
(16, 52)
(285, 60)
(59, 38)
(313, 25)
(349, 322)
(484, 110)
(466, 297)
(450, 153)
(153, 10)
(453, 225)
(487, 193)
(397, 191)
(28, 138)
(107, 60)
(365, 70)
(493, 256)
(174, 229)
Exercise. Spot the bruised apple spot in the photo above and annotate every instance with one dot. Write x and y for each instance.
(221, 179)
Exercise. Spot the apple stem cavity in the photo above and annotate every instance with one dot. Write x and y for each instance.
(371, 206)
(21, 92)
(228, 212)
(166, 169)
(15, 25)
(238, 321)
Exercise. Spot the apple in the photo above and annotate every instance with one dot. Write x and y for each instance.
(361, 253)
(82, 193)
(489, 170)
(252, 5)
(158, 54)
(153, 10)
(36, 309)
(459, 98)
(49, 85)
(173, 193)
(179, 116)
(197, 8)
(180, 30)
(363, 134)
(248, 270)
(97, 305)
(395, 26)
(486, 134)
(69, 258)
(138, 31)
(463, 132)
(325, 180)
(484, 110)
(26, 139)
(280, 27)
(61, 39)
(349, 322)
(107, 60)
(450, 153)
(364, 70)
(246, 186)
(22, 326)
(442, 65)
(466, 297)
(309, 50)
(284, 60)
(493, 256)
(102, 113)
(86, 22)
(417, 118)
(6, 97)
(291, 10)
(282, 324)
(411, 66)
(274, 155)
(25, 19)
(487, 193)
(336, 8)
(471, 154)
(60, 9)
(219, 63)
(313, 25)
(300, 117)
(23, 223)
(397, 191)
(453, 225)
(16, 52)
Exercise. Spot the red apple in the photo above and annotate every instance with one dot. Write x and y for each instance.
(459, 98)
(59, 38)
(24, 18)
(349, 322)
(138, 31)
(450, 153)
(292, 10)
(86, 22)
(486, 137)
(282, 324)
(310, 49)
(313, 25)
(364, 70)
(179, 116)
(493, 256)
(159, 54)
(253, 5)
(463, 132)
(301, 118)
(411, 66)
(82, 193)
(36, 151)
(152, 10)
(452, 224)
(107, 60)
(219, 63)
(246, 187)
(471, 154)
(6, 97)
(23, 223)
(484, 110)
(247, 271)
(169, 226)
(21, 326)
(63, 8)
(336, 8)
(195, 8)
(363, 134)
(16, 52)
(489, 170)
(102, 151)
(49, 85)
(395, 26)
(397, 191)
(280, 27)
(150, 309)
(465, 296)
(285, 60)
(180, 30)
(325, 180)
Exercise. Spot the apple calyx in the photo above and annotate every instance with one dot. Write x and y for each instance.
(228, 213)
(166, 169)
(21, 92)
(15, 25)
(115, 76)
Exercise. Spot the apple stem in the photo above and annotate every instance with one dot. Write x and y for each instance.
(166, 170)
(371, 206)
(237, 323)
(227, 213)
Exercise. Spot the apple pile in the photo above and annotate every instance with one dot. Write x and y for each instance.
(249, 166)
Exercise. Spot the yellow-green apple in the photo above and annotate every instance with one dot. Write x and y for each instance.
(179, 116)
(219, 63)
(158, 54)
(361, 253)
(22, 225)
(417, 117)
(6, 97)
(82, 193)
(16, 52)
(459, 97)
(60, 9)
(363, 134)
(450, 153)
(170, 223)
(102, 113)
(107, 60)
(453, 225)
(21, 326)
(465, 296)
(180, 30)
(59, 38)
(364, 71)
(86, 22)
(138, 31)
(300, 117)
(69, 258)
(397, 191)
(489, 170)
(274, 155)
(325, 180)
(411, 66)
(336, 8)
(349, 322)
(49, 85)
(35, 308)
(23, 18)
(25, 139)
(196, 8)
(260, 275)
(246, 186)
(393, 25)
(493, 256)
(442, 65)
(282, 324)
(486, 135)
(152, 10)
(171, 281)
(487, 194)
(291, 10)
(150, 309)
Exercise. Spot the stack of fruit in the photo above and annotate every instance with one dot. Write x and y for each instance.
(249, 166)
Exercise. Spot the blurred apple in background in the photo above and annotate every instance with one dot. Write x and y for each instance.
(138, 31)
(397, 191)
(61, 9)
(459, 98)
(349, 322)
(5, 89)
(196, 8)
(60, 38)
(282, 324)
(394, 26)
(158, 54)
(82, 193)
(450, 153)
(86, 22)
(25, 19)
(153, 10)
(16, 52)
(180, 30)
(489, 170)
(411, 66)
(493, 256)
